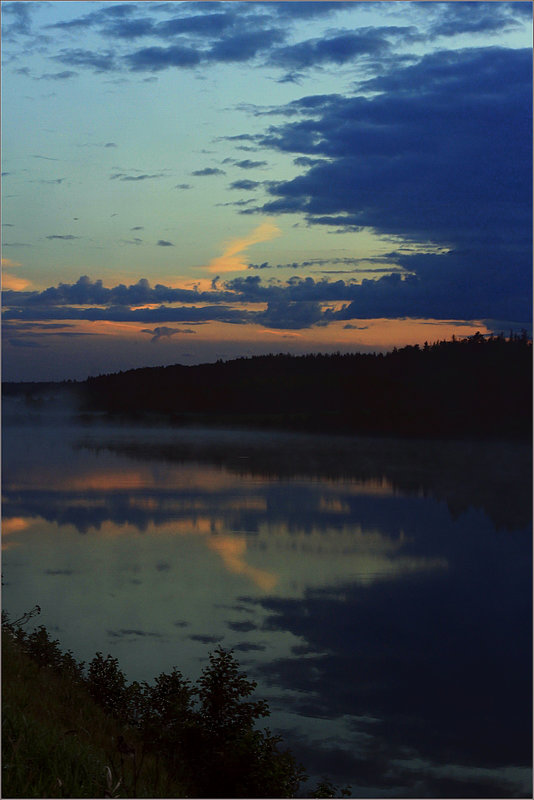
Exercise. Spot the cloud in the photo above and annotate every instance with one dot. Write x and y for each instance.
(340, 48)
(100, 62)
(88, 292)
(440, 154)
(158, 58)
(65, 237)
(452, 19)
(208, 171)
(58, 76)
(164, 243)
(13, 282)
(202, 34)
(248, 164)
(359, 264)
(50, 181)
(183, 186)
(232, 257)
(304, 9)
(162, 332)
(244, 184)
(244, 46)
(121, 176)
(286, 314)
(19, 19)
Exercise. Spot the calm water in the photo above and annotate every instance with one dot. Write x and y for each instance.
(379, 592)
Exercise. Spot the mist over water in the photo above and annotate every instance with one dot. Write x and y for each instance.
(379, 591)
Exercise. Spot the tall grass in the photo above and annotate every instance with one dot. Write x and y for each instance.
(58, 742)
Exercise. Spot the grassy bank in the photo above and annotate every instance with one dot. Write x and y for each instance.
(57, 741)
(70, 730)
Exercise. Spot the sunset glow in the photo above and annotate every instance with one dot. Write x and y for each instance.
(262, 209)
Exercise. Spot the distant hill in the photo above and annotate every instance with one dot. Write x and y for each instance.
(474, 387)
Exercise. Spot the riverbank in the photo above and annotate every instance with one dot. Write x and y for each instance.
(71, 731)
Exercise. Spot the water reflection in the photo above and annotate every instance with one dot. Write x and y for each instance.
(384, 611)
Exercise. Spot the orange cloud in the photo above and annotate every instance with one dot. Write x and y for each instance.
(14, 525)
(11, 281)
(232, 257)
(232, 552)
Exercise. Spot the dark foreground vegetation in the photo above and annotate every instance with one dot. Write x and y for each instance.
(472, 387)
(70, 730)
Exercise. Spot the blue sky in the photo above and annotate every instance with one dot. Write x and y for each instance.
(191, 181)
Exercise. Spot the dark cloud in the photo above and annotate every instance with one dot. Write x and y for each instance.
(244, 46)
(19, 19)
(59, 76)
(100, 62)
(49, 181)
(358, 263)
(304, 9)
(286, 314)
(120, 313)
(244, 627)
(158, 58)
(340, 48)
(239, 203)
(248, 164)
(452, 19)
(132, 632)
(184, 186)
(121, 176)
(88, 292)
(40, 326)
(207, 24)
(206, 34)
(128, 28)
(164, 243)
(65, 237)
(440, 154)
(206, 639)
(244, 184)
(305, 161)
(208, 171)
(162, 332)
(137, 228)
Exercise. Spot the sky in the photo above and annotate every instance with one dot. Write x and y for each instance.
(190, 181)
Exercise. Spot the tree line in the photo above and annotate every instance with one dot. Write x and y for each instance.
(478, 386)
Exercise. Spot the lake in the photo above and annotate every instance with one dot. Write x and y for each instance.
(378, 591)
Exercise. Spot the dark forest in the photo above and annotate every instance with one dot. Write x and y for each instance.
(474, 387)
